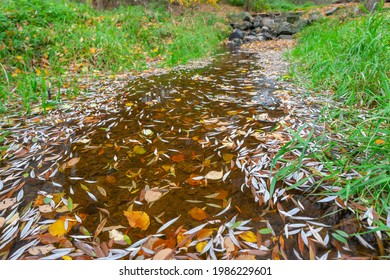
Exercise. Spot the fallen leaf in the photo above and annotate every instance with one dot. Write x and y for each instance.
(229, 245)
(2, 222)
(46, 208)
(7, 202)
(72, 162)
(200, 246)
(164, 254)
(152, 195)
(198, 214)
(248, 236)
(47, 238)
(178, 157)
(227, 157)
(139, 150)
(214, 175)
(380, 142)
(102, 190)
(245, 257)
(204, 233)
(59, 227)
(138, 219)
(193, 182)
(111, 179)
(41, 250)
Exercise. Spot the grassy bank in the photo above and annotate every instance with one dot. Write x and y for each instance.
(271, 5)
(351, 58)
(44, 41)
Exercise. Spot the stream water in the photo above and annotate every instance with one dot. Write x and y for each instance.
(176, 145)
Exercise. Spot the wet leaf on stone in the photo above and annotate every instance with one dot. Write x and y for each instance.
(137, 219)
(198, 213)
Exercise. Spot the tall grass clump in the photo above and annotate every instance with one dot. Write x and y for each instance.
(55, 40)
(349, 63)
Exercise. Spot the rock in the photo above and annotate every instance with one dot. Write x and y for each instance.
(244, 25)
(265, 29)
(236, 34)
(267, 36)
(285, 37)
(316, 16)
(284, 28)
(247, 17)
(293, 17)
(257, 22)
(331, 11)
(268, 22)
(266, 99)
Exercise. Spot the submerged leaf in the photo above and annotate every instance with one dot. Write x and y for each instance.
(72, 162)
(198, 214)
(62, 226)
(152, 195)
(139, 150)
(248, 236)
(138, 219)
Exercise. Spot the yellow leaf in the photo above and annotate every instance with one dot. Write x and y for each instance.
(66, 258)
(227, 157)
(129, 104)
(139, 150)
(137, 219)
(62, 226)
(200, 246)
(248, 236)
(19, 57)
(380, 142)
(92, 50)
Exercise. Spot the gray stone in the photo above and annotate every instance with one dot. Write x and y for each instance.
(284, 28)
(268, 22)
(236, 34)
(331, 11)
(285, 37)
(316, 16)
(244, 25)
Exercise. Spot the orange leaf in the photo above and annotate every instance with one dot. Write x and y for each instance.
(198, 214)
(137, 219)
(178, 157)
(222, 195)
(204, 233)
(194, 182)
(380, 142)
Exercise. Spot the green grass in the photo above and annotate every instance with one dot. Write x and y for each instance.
(269, 5)
(42, 40)
(352, 59)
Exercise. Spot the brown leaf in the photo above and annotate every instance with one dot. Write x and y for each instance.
(47, 238)
(245, 257)
(2, 222)
(164, 254)
(72, 162)
(41, 250)
(7, 202)
(100, 228)
(137, 219)
(214, 175)
(198, 214)
(152, 195)
(204, 233)
(111, 179)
